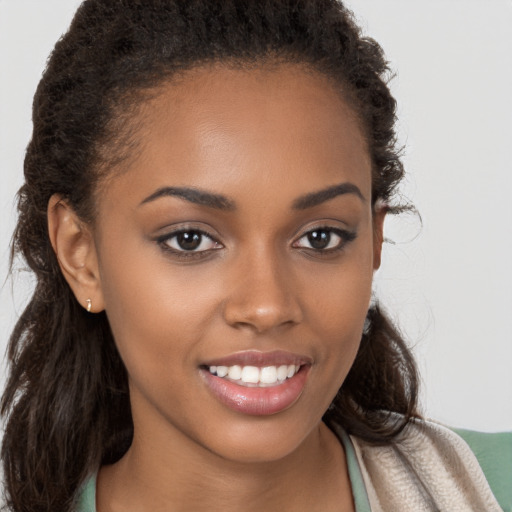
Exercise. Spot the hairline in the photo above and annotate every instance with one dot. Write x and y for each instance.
(128, 109)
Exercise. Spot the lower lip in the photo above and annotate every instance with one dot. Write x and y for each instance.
(257, 401)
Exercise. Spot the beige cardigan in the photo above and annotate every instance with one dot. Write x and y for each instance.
(427, 468)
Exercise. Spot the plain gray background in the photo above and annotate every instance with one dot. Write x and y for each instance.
(448, 283)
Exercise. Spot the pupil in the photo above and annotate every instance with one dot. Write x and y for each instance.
(319, 239)
(189, 240)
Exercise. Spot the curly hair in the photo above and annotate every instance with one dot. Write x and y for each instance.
(66, 402)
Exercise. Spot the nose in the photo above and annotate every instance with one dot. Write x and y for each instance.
(263, 296)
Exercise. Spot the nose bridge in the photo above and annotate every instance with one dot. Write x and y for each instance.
(263, 292)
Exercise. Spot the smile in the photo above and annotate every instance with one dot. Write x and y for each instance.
(257, 383)
(253, 376)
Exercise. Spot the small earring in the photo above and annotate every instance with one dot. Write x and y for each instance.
(89, 305)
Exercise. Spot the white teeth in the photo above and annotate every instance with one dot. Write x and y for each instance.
(250, 374)
(222, 371)
(235, 372)
(267, 375)
(282, 372)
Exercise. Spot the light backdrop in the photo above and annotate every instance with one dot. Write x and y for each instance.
(448, 281)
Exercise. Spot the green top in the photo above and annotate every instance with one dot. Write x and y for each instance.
(494, 454)
(493, 451)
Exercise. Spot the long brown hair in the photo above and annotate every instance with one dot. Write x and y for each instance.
(66, 403)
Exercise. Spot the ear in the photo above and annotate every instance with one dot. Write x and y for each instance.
(75, 249)
(379, 214)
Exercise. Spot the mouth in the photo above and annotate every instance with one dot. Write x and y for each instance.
(257, 383)
(253, 376)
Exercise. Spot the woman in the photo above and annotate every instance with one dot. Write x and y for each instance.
(203, 208)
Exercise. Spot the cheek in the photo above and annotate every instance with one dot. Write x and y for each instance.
(158, 315)
(157, 312)
(340, 321)
(141, 287)
(339, 304)
(342, 292)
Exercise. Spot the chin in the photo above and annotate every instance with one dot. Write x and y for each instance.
(263, 440)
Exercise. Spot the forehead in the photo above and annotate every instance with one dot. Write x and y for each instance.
(219, 127)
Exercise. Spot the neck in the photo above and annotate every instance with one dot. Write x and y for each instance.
(184, 476)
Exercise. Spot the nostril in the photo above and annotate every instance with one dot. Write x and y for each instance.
(262, 296)
(261, 319)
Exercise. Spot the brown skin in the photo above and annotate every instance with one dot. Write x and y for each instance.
(262, 138)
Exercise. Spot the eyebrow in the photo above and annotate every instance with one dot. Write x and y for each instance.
(220, 202)
(193, 195)
(315, 198)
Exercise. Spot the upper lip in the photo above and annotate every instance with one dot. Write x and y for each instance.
(260, 359)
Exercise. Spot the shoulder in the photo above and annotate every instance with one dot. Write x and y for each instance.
(494, 454)
(427, 467)
(86, 501)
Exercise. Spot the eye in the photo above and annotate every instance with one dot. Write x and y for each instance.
(190, 240)
(325, 239)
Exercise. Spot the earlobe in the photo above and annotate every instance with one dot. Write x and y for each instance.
(379, 214)
(74, 246)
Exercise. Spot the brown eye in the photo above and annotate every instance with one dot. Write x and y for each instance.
(189, 241)
(325, 239)
(319, 239)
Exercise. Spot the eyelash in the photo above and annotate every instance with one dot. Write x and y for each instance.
(164, 240)
(344, 236)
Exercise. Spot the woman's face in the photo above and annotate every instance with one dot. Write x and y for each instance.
(235, 257)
